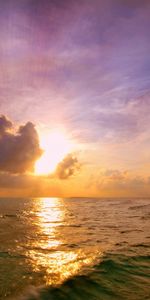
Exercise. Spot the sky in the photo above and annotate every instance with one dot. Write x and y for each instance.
(75, 98)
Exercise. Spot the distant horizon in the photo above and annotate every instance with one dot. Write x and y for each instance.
(73, 197)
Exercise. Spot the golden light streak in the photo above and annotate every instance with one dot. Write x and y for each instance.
(49, 253)
(56, 146)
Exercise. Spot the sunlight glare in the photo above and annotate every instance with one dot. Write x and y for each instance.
(56, 146)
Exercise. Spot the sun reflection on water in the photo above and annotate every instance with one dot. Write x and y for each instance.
(49, 216)
(48, 255)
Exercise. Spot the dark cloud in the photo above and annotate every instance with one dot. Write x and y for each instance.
(5, 125)
(20, 150)
(67, 167)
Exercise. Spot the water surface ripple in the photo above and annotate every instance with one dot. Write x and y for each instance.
(57, 248)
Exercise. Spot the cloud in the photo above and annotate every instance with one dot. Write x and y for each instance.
(19, 150)
(5, 125)
(120, 182)
(115, 174)
(67, 167)
(94, 56)
(109, 178)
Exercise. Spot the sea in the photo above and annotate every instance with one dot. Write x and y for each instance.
(74, 248)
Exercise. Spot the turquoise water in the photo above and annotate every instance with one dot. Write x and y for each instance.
(56, 248)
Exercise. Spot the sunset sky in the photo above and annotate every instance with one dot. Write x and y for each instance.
(75, 98)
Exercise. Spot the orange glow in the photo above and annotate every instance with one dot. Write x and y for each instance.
(56, 263)
(56, 146)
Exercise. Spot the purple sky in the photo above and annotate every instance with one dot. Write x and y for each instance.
(81, 63)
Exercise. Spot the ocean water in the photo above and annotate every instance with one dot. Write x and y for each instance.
(78, 248)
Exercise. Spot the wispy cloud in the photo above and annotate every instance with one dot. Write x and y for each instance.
(119, 182)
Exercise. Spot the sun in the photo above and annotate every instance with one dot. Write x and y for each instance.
(56, 146)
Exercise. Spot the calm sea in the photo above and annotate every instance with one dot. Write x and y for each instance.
(78, 248)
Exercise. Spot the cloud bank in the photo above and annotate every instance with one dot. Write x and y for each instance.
(18, 150)
(120, 183)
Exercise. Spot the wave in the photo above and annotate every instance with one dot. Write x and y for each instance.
(139, 206)
(117, 277)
